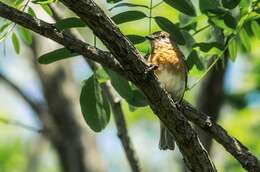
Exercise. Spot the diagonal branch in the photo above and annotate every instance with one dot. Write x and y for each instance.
(122, 127)
(34, 106)
(195, 156)
(231, 144)
(68, 41)
(118, 113)
(241, 153)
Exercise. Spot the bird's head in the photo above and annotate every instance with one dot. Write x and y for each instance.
(160, 38)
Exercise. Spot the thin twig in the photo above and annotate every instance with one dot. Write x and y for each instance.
(34, 106)
(157, 4)
(20, 124)
(201, 29)
(122, 127)
(118, 113)
(150, 17)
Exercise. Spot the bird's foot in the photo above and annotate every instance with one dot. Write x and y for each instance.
(177, 105)
(152, 67)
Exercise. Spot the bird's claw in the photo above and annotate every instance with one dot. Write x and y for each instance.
(152, 67)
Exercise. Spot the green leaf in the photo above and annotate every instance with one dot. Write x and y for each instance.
(232, 49)
(245, 39)
(184, 6)
(31, 12)
(244, 6)
(16, 43)
(131, 94)
(113, 1)
(42, 1)
(138, 99)
(18, 3)
(25, 34)
(94, 105)
(3, 27)
(56, 55)
(207, 46)
(47, 9)
(69, 23)
(101, 75)
(128, 16)
(136, 39)
(120, 84)
(125, 4)
(230, 4)
(171, 28)
(229, 20)
(206, 5)
(256, 29)
(191, 25)
(226, 22)
(193, 59)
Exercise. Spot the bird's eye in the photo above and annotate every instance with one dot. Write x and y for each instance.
(163, 36)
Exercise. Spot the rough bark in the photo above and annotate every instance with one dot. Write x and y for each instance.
(122, 130)
(137, 71)
(231, 144)
(195, 156)
(212, 86)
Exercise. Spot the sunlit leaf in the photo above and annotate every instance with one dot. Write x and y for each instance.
(232, 49)
(94, 105)
(42, 1)
(69, 23)
(25, 34)
(16, 43)
(184, 6)
(47, 9)
(245, 39)
(4, 26)
(128, 16)
(171, 28)
(256, 29)
(31, 12)
(113, 1)
(56, 55)
(101, 75)
(125, 4)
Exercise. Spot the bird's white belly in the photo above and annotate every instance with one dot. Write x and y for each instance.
(173, 83)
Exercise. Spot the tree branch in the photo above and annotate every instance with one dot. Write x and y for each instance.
(136, 69)
(116, 106)
(33, 105)
(231, 144)
(122, 127)
(50, 31)
(159, 100)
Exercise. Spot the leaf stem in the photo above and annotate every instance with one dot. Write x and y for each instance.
(20, 124)
(150, 16)
(201, 29)
(157, 4)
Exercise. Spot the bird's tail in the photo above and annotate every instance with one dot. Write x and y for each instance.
(167, 140)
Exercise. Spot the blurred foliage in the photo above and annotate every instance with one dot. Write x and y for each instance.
(205, 30)
(12, 157)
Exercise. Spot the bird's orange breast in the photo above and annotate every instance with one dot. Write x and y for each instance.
(171, 70)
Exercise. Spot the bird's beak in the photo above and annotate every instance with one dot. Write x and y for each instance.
(149, 37)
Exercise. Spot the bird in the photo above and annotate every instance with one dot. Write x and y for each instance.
(171, 71)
